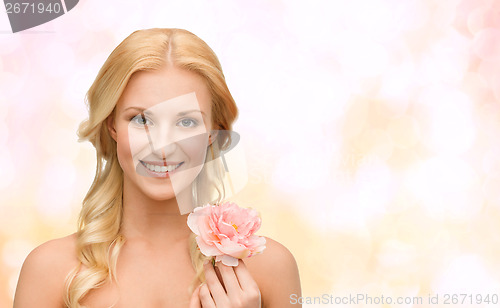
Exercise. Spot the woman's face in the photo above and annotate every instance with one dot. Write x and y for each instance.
(161, 127)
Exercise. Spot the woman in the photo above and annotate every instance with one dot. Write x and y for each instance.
(133, 247)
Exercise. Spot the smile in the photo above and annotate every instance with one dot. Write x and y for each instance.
(161, 168)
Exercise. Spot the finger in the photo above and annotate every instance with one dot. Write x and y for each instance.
(246, 280)
(219, 275)
(214, 285)
(205, 297)
(229, 277)
(195, 298)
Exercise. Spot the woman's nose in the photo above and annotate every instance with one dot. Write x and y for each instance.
(165, 150)
(163, 140)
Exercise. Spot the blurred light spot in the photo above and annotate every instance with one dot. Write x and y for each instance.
(349, 203)
(18, 217)
(491, 189)
(443, 13)
(452, 128)
(486, 44)
(58, 141)
(491, 162)
(402, 159)
(381, 20)
(15, 251)
(12, 284)
(326, 95)
(397, 255)
(252, 103)
(320, 101)
(489, 119)
(4, 134)
(416, 14)
(23, 155)
(489, 70)
(5, 112)
(446, 61)
(397, 83)
(440, 243)
(313, 32)
(447, 187)
(301, 169)
(56, 192)
(10, 84)
(59, 173)
(321, 207)
(99, 15)
(475, 85)
(345, 213)
(56, 59)
(373, 188)
(404, 131)
(356, 62)
(10, 45)
(465, 274)
(495, 82)
(236, 14)
(134, 21)
(355, 118)
(376, 19)
(7, 170)
(375, 142)
(73, 102)
(475, 21)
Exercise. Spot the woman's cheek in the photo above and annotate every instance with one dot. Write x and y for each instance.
(123, 149)
(137, 145)
(195, 149)
(128, 146)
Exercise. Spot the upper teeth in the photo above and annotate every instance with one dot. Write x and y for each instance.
(158, 168)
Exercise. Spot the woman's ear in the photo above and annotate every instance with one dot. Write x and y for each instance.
(110, 122)
(212, 137)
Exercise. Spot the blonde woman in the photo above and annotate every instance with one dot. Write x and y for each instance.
(133, 247)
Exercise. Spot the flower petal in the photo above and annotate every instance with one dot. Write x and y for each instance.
(192, 223)
(206, 249)
(233, 249)
(227, 229)
(227, 260)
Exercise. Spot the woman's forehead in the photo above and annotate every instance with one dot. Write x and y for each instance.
(180, 105)
(147, 89)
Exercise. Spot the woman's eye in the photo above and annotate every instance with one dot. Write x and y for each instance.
(188, 123)
(138, 119)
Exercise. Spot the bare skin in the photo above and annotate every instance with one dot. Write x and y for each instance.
(154, 267)
(42, 277)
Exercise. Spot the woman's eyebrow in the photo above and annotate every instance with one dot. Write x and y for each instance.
(137, 108)
(189, 111)
(182, 113)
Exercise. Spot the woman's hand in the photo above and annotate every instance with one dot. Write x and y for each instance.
(238, 289)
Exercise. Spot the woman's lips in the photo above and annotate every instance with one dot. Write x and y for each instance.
(160, 170)
(161, 162)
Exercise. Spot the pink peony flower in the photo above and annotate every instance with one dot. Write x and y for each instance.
(227, 232)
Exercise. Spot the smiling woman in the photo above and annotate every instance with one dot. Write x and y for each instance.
(156, 110)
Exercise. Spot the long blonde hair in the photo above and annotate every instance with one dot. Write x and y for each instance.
(98, 236)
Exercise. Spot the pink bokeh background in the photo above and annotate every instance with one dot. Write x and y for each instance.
(370, 129)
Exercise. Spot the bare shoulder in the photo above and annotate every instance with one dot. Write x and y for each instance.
(275, 271)
(41, 281)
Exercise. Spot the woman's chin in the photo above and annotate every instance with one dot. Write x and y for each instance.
(161, 196)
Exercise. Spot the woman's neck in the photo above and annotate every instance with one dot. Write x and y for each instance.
(152, 221)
